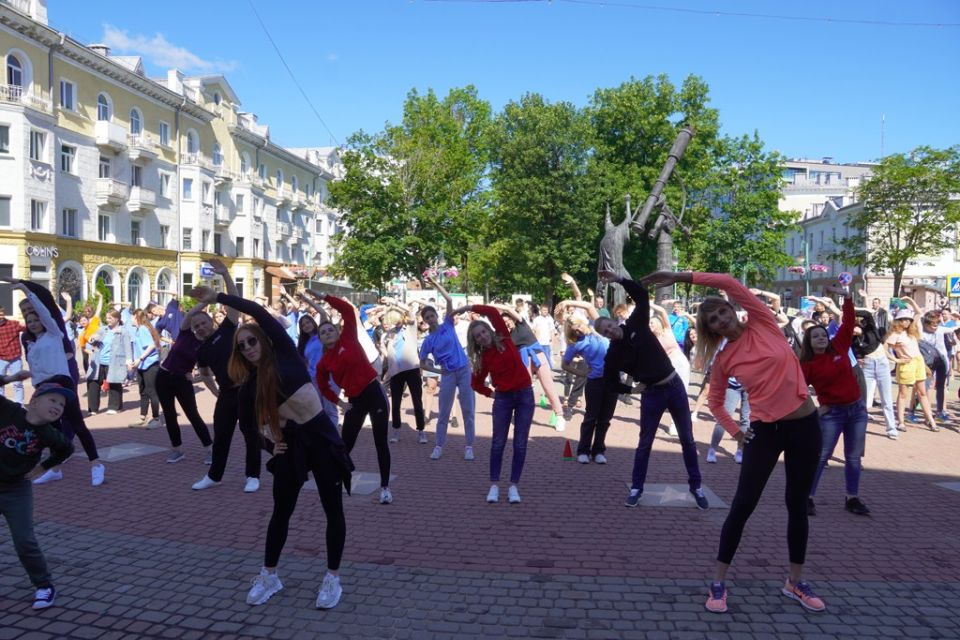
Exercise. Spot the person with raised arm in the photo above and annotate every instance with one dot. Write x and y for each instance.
(311, 350)
(277, 390)
(345, 362)
(399, 347)
(784, 420)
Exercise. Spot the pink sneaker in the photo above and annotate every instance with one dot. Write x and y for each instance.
(717, 602)
(802, 593)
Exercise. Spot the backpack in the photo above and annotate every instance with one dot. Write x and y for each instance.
(931, 357)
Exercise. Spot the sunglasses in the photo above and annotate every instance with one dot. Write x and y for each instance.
(250, 343)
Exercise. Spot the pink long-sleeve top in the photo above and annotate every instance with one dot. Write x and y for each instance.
(760, 359)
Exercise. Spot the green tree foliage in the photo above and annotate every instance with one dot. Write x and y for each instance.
(910, 210)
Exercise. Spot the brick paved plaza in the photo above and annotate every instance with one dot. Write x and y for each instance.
(144, 556)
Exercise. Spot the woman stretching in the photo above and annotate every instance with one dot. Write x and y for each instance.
(399, 347)
(346, 363)
(904, 339)
(273, 378)
(875, 361)
(493, 353)
(827, 369)
(146, 349)
(311, 350)
(784, 419)
(601, 402)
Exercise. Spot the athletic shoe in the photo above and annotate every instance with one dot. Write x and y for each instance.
(600, 458)
(437, 452)
(811, 507)
(422, 438)
(494, 494)
(454, 423)
(394, 436)
(633, 498)
(802, 593)
(901, 427)
(513, 496)
(97, 472)
(155, 423)
(263, 587)
(137, 423)
(717, 600)
(568, 414)
(583, 458)
(386, 497)
(912, 417)
(943, 415)
(711, 455)
(208, 459)
(252, 485)
(175, 456)
(44, 597)
(738, 456)
(330, 592)
(855, 506)
(111, 412)
(204, 483)
(626, 399)
(700, 499)
(672, 430)
(893, 435)
(561, 423)
(468, 453)
(50, 475)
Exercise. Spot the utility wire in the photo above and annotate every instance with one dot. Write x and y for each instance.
(711, 12)
(290, 71)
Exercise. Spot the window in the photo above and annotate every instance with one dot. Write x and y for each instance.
(256, 206)
(262, 171)
(164, 237)
(68, 156)
(4, 211)
(217, 155)
(217, 99)
(135, 232)
(319, 225)
(134, 287)
(193, 142)
(240, 205)
(165, 185)
(103, 108)
(187, 239)
(256, 247)
(188, 188)
(136, 122)
(217, 198)
(205, 192)
(4, 138)
(68, 223)
(68, 95)
(187, 283)
(204, 241)
(280, 180)
(104, 279)
(14, 71)
(217, 244)
(294, 184)
(240, 247)
(136, 176)
(38, 143)
(104, 167)
(165, 134)
(37, 210)
(103, 227)
(239, 283)
(244, 164)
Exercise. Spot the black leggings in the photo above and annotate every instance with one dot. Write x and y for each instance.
(114, 395)
(411, 378)
(373, 401)
(799, 441)
(147, 381)
(226, 413)
(573, 386)
(286, 489)
(172, 387)
(72, 422)
(601, 405)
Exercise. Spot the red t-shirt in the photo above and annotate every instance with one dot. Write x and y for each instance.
(346, 360)
(831, 373)
(505, 368)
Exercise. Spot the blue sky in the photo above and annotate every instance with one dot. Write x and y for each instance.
(810, 88)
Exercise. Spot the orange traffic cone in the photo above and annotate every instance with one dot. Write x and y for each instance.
(567, 451)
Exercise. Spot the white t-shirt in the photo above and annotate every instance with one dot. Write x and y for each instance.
(543, 328)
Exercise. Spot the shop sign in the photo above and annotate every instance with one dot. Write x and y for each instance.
(42, 251)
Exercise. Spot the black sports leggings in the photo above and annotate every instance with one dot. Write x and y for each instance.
(226, 413)
(373, 401)
(173, 387)
(413, 381)
(147, 385)
(799, 441)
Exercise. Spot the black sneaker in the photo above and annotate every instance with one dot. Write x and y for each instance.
(701, 499)
(626, 399)
(44, 597)
(811, 508)
(633, 499)
(855, 506)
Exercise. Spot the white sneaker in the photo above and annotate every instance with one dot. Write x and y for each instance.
(672, 430)
(738, 456)
(44, 597)
(330, 592)
(513, 496)
(711, 455)
(436, 453)
(600, 458)
(50, 475)
(155, 423)
(97, 472)
(252, 485)
(422, 438)
(386, 497)
(263, 586)
(583, 458)
(205, 483)
(494, 494)
(111, 412)
(468, 453)
(561, 424)
(394, 437)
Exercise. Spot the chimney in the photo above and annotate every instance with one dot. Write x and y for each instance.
(100, 48)
(175, 81)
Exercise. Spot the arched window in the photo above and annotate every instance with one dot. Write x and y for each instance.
(14, 71)
(262, 171)
(279, 179)
(136, 122)
(70, 281)
(217, 99)
(244, 163)
(164, 283)
(193, 142)
(294, 184)
(217, 154)
(103, 108)
(135, 288)
(105, 280)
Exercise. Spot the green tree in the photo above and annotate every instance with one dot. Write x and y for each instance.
(909, 211)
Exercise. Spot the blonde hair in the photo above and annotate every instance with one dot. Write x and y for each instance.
(708, 342)
(573, 323)
(392, 318)
(474, 351)
(911, 329)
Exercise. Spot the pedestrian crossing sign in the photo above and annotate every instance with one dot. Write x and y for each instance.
(953, 286)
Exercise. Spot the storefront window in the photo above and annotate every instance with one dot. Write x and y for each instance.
(70, 281)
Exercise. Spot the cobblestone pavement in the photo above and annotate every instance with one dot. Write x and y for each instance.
(144, 556)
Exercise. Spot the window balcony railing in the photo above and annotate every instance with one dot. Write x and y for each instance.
(141, 147)
(14, 94)
(109, 135)
(111, 193)
(284, 228)
(142, 200)
(198, 160)
(221, 215)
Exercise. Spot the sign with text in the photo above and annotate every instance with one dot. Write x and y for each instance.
(206, 270)
(953, 286)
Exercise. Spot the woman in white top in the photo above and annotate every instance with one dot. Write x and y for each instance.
(399, 347)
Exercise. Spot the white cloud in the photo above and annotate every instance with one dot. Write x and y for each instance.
(160, 52)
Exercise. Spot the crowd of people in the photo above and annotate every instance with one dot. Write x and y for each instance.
(302, 377)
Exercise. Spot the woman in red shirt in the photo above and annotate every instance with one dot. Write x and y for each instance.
(826, 367)
(493, 353)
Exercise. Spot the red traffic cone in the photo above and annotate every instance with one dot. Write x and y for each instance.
(567, 451)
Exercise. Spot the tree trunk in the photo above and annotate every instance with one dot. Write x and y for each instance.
(897, 279)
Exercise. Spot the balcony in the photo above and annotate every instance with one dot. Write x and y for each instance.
(198, 160)
(221, 216)
(142, 200)
(250, 180)
(23, 6)
(283, 196)
(142, 148)
(110, 193)
(110, 136)
(283, 228)
(297, 201)
(297, 232)
(223, 177)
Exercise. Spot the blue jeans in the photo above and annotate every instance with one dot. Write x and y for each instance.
(547, 351)
(876, 371)
(671, 397)
(8, 368)
(730, 402)
(851, 421)
(518, 406)
(450, 383)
